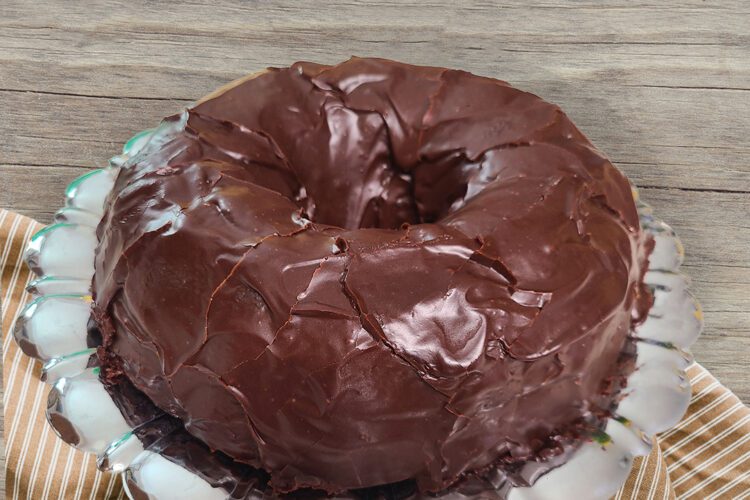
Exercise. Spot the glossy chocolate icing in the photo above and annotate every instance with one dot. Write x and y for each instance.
(372, 273)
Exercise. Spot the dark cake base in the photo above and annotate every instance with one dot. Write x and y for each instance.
(165, 434)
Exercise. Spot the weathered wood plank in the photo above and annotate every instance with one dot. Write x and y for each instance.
(641, 129)
(72, 130)
(45, 192)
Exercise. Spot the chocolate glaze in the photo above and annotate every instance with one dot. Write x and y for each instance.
(166, 435)
(372, 273)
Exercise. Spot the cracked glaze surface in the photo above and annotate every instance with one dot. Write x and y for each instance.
(361, 274)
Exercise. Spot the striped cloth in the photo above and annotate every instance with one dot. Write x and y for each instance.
(707, 456)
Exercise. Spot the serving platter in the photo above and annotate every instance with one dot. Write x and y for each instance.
(54, 328)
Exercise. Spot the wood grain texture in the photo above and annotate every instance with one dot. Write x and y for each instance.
(662, 87)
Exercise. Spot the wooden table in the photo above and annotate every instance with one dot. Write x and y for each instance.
(663, 87)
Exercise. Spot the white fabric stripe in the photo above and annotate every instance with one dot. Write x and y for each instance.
(696, 397)
(16, 363)
(720, 473)
(17, 267)
(9, 382)
(14, 366)
(706, 391)
(9, 244)
(14, 277)
(41, 447)
(82, 476)
(743, 496)
(66, 473)
(51, 469)
(701, 375)
(700, 449)
(705, 427)
(14, 422)
(620, 491)
(703, 392)
(3, 215)
(6, 254)
(695, 416)
(113, 478)
(655, 481)
(639, 479)
(30, 427)
(122, 494)
(696, 468)
(12, 286)
(95, 487)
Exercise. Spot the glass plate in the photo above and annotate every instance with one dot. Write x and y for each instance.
(53, 328)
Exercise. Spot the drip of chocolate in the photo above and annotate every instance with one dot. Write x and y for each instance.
(372, 274)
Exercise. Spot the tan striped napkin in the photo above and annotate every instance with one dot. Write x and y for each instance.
(706, 456)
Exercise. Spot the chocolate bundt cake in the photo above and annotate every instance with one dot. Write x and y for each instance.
(355, 275)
